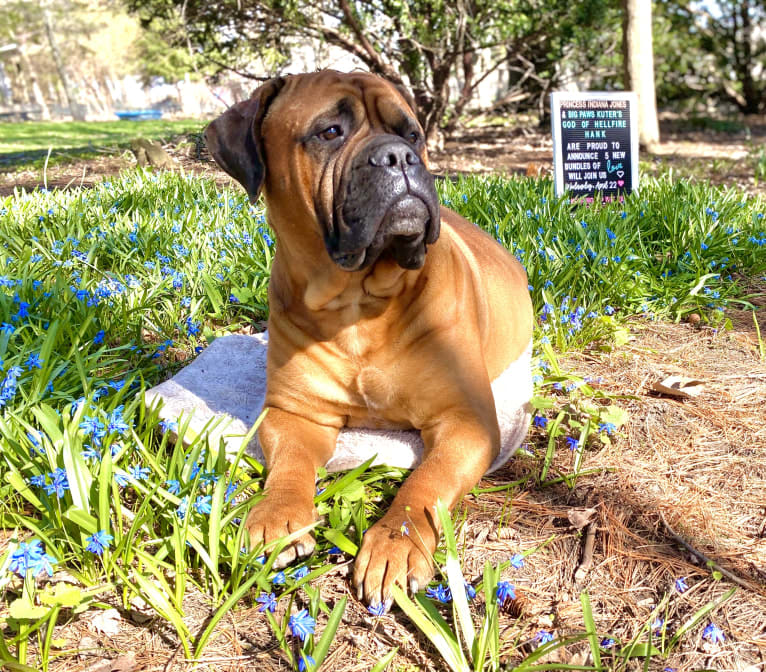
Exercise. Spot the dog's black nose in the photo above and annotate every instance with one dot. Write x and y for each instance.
(393, 154)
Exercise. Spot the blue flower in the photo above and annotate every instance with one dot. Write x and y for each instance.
(34, 362)
(543, 637)
(98, 339)
(279, 579)
(606, 643)
(59, 483)
(301, 572)
(306, 662)
(608, 310)
(116, 422)
(377, 609)
(540, 421)
(267, 602)
(173, 486)
(608, 427)
(470, 591)
(202, 504)
(572, 443)
(98, 542)
(441, 593)
(301, 624)
(30, 557)
(91, 425)
(657, 624)
(38, 481)
(505, 591)
(183, 507)
(139, 473)
(713, 634)
(168, 425)
(681, 584)
(517, 561)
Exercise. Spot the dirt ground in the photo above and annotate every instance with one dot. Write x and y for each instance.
(685, 484)
(718, 156)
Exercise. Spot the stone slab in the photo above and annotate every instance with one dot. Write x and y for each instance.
(221, 393)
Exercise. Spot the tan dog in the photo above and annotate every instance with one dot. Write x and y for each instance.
(385, 310)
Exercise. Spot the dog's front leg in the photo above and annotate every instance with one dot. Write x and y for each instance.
(459, 449)
(294, 448)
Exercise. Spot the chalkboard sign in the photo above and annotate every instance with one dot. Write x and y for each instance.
(595, 144)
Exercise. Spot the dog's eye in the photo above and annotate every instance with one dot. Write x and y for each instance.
(331, 133)
(413, 137)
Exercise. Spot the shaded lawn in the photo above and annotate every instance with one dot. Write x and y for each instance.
(25, 142)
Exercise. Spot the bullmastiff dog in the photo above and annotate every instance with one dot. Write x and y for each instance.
(386, 310)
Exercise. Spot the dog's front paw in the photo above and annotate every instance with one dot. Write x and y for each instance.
(275, 517)
(397, 550)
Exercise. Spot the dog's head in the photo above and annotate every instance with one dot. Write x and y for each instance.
(341, 152)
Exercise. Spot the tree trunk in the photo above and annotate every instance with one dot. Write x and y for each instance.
(638, 61)
(30, 75)
(72, 104)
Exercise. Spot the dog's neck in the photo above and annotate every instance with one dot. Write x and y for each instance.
(323, 286)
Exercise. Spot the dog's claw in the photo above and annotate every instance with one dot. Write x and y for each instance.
(414, 586)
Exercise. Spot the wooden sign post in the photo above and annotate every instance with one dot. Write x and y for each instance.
(595, 144)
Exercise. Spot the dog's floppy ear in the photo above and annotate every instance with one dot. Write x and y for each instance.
(235, 142)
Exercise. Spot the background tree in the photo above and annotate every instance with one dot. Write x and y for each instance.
(418, 43)
(638, 60)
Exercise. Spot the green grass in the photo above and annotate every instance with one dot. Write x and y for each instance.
(103, 291)
(25, 142)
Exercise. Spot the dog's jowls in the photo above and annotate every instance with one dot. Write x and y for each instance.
(385, 309)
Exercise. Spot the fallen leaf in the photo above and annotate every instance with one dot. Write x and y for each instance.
(580, 517)
(107, 622)
(678, 386)
(125, 663)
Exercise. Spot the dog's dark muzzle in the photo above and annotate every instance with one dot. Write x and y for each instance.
(390, 205)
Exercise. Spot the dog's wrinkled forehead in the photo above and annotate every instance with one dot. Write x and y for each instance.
(360, 98)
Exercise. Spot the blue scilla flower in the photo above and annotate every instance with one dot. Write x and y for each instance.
(98, 542)
(440, 593)
(202, 504)
(540, 421)
(377, 608)
(301, 624)
(139, 473)
(608, 310)
(517, 561)
(680, 584)
(183, 508)
(98, 339)
(173, 486)
(543, 637)
(306, 662)
(91, 425)
(505, 591)
(30, 557)
(572, 443)
(608, 427)
(117, 423)
(168, 425)
(59, 483)
(279, 579)
(713, 634)
(268, 602)
(301, 572)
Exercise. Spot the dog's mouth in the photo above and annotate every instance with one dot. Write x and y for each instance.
(402, 232)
